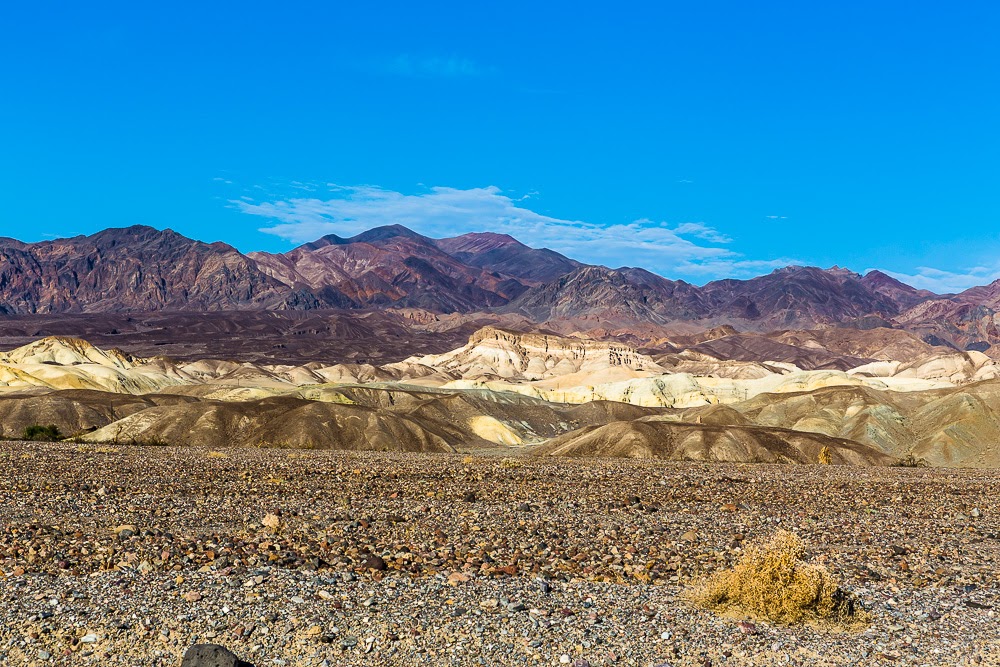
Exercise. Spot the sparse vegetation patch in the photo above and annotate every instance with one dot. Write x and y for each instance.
(40, 433)
(771, 582)
(911, 461)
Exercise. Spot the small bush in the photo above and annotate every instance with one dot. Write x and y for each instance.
(911, 461)
(511, 463)
(771, 582)
(825, 457)
(41, 433)
(96, 449)
(130, 442)
(214, 454)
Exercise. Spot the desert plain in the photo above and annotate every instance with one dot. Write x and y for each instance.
(120, 555)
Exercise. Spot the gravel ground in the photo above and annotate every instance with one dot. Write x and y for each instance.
(128, 555)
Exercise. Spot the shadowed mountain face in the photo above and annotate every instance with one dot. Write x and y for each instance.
(504, 254)
(797, 295)
(285, 336)
(900, 293)
(622, 295)
(791, 297)
(135, 269)
(392, 266)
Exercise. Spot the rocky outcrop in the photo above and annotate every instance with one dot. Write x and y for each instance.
(496, 353)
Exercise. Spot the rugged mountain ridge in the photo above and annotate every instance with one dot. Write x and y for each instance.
(389, 266)
(136, 269)
(141, 270)
(505, 254)
(791, 297)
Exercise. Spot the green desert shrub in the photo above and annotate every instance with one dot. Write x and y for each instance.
(41, 433)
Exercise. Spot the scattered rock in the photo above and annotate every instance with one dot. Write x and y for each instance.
(375, 562)
(456, 578)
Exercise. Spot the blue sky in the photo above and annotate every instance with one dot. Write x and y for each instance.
(701, 140)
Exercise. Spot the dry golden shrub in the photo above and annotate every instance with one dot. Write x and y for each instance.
(771, 582)
(825, 457)
(217, 455)
(95, 449)
(272, 522)
(510, 462)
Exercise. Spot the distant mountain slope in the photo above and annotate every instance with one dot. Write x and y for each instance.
(798, 295)
(790, 297)
(900, 293)
(505, 254)
(598, 293)
(481, 276)
(135, 269)
(385, 266)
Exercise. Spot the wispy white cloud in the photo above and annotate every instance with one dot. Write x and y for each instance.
(700, 230)
(729, 267)
(946, 282)
(689, 248)
(406, 64)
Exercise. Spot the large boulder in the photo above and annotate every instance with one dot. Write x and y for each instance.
(211, 655)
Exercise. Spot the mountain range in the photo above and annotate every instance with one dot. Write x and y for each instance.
(140, 269)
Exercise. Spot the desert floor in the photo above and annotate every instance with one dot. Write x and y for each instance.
(128, 555)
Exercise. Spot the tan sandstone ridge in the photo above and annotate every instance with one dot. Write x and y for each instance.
(496, 353)
(654, 438)
(505, 389)
(546, 366)
(570, 370)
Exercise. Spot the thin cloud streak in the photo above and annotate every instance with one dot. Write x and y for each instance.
(946, 282)
(690, 248)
